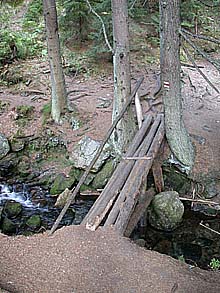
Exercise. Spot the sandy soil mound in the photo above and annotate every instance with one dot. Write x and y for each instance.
(77, 260)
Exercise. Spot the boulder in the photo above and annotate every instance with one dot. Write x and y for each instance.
(34, 222)
(77, 174)
(12, 209)
(84, 152)
(4, 146)
(60, 183)
(8, 227)
(103, 175)
(166, 211)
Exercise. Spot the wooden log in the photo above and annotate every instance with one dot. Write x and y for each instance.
(131, 189)
(86, 173)
(119, 176)
(157, 169)
(144, 201)
(138, 110)
(144, 149)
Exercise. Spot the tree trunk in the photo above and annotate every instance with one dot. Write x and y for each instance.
(122, 78)
(176, 133)
(59, 96)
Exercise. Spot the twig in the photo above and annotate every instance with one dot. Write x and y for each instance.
(85, 174)
(190, 66)
(199, 70)
(199, 201)
(209, 5)
(103, 26)
(210, 229)
(137, 158)
(78, 97)
(201, 52)
(213, 40)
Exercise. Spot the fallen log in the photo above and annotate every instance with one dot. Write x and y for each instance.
(118, 178)
(130, 192)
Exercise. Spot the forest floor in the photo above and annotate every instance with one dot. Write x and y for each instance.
(76, 260)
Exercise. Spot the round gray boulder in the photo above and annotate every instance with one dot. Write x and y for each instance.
(4, 146)
(166, 211)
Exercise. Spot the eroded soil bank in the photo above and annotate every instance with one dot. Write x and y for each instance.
(77, 260)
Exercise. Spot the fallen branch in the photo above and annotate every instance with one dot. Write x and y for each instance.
(210, 229)
(195, 36)
(199, 201)
(198, 69)
(201, 52)
(86, 173)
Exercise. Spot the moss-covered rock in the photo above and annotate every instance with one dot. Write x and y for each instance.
(176, 180)
(12, 209)
(85, 187)
(166, 211)
(77, 174)
(104, 175)
(60, 183)
(34, 222)
(8, 226)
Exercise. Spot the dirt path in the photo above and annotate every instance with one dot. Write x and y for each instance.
(77, 260)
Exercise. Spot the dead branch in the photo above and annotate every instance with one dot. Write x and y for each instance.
(198, 69)
(103, 26)
(201, 52)
(208, 4)
(210, 229)
(202, 201)
(190, 65)
(85, 174)
(195, 36)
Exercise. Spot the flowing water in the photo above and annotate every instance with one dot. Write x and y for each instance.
(37, 201)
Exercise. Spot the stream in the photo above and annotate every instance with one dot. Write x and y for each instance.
(35, 201)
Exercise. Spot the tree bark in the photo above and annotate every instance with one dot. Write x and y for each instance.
(59, 96)
(176, 133)
(122, 79)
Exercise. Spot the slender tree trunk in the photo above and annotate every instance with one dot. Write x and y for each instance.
(59, 96)
(122, 78)
(177, 135)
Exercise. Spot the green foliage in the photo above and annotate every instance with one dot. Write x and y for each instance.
(74, 20)
(215, 264)
(17, 43)
(34, 14)
(46, 111)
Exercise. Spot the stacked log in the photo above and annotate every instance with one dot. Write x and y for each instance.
(125, 191)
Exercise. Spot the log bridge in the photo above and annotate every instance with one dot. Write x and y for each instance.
(126, 197)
